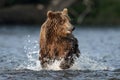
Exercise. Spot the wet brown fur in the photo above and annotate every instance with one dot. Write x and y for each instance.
(56, 43)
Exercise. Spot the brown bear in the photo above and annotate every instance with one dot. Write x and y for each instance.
(57, 41)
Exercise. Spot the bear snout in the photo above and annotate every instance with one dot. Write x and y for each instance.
(70, 29)
(73, 29)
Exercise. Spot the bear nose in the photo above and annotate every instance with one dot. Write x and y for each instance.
(73, 28)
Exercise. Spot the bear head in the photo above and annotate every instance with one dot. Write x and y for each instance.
(59, 23)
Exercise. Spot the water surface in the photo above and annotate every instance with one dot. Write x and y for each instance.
(100, 55)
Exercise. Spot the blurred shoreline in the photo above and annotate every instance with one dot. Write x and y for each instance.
(76, 25)
(90, 12)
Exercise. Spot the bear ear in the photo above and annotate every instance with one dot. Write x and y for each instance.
(65, 11)
(50, 14)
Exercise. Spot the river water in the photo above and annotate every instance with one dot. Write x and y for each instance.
(99, 60)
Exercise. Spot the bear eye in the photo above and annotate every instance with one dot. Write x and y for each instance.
(62, 21)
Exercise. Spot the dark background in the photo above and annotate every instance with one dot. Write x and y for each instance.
(83, 12)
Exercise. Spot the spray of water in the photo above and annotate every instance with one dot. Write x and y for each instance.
(85, 62)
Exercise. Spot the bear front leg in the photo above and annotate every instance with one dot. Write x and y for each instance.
(43, 59)
(44, 64)
(66, 63)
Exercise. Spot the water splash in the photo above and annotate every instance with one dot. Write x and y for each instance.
(85, 62)
(31, 49)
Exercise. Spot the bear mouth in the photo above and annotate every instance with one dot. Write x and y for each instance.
(69, 31)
